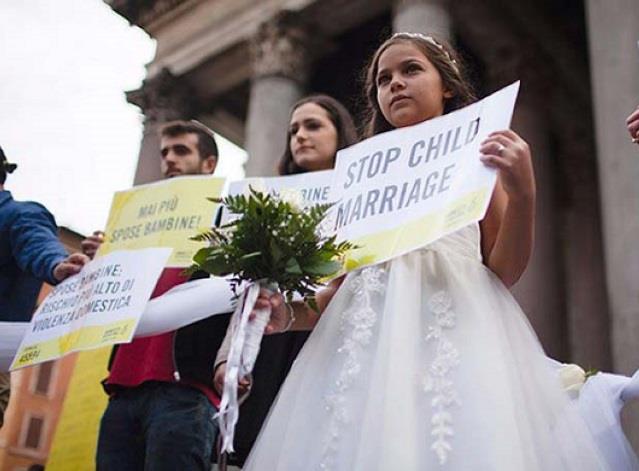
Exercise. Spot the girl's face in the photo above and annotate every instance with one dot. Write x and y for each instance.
(409, 87)
(313, 137)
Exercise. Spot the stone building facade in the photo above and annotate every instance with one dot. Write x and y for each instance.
(238, 66)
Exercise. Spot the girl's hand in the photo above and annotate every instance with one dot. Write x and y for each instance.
(243, 384)
(510, 155)
(280, 315)
(276, 304)
(295, 316)
(633, 125)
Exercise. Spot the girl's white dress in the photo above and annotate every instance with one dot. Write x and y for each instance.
(425, 362)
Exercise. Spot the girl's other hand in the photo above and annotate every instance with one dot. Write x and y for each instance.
(507, 152)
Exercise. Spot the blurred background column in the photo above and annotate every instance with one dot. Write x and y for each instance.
(422, 16)
(161, 98)
(614, 65)
(280, 60)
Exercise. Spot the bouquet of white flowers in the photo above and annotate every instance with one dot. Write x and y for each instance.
(270, 243)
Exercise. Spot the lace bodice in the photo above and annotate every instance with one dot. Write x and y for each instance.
(465, 241)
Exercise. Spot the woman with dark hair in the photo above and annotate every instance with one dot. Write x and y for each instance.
(318, 118)
(319, 126)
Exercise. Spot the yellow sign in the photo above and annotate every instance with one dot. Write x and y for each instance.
(75, 440)
(385, 245)
(163, 214)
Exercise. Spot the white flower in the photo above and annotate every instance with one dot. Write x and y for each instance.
(572, 378)
(293, 197)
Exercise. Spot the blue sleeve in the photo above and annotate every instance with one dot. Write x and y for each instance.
(34, 241)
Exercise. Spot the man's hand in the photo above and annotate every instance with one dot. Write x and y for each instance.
(70, 266)
(243, 385)
(91, 244)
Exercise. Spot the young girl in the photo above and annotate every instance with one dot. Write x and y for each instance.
(426, 361)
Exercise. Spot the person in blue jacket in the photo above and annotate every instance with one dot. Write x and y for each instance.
(30, 253)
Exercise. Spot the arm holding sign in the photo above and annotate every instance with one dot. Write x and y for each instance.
(508, 228)
(37, 250)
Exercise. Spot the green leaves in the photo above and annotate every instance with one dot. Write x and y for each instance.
(271, 239)
(293, 267)
(324, 268)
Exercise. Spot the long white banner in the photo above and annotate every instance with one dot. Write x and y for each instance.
(180, 306)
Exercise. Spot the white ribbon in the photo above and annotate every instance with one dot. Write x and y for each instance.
(245, 345)
(180, 306)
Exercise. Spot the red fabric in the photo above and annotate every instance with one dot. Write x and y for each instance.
(208, 392)
(151, 358)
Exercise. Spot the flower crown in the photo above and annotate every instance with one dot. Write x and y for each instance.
(433, 42)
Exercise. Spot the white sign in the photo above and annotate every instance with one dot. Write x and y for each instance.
(312, 187)
(403, 189)
(304, 189)
(99, 306)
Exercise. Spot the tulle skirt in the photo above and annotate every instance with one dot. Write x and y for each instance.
(425, 362)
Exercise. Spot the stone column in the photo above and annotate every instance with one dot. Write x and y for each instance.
(614, 65)
(280, 59)
(161, 98)
(614, 62)
(540, 291)
(422, 16)
(586, 295)
(506, 58)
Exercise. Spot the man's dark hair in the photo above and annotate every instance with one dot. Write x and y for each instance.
(5, 167)
(206, 145)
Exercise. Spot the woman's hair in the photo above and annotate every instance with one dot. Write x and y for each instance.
(445, 60)
(339, 116)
